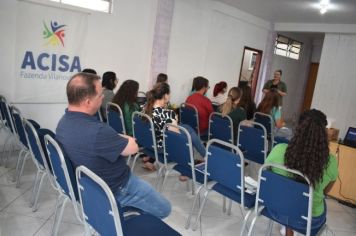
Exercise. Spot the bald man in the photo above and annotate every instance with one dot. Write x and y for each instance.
(94, 144)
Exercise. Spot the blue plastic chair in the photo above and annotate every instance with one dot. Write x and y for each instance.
(226, 170)
(253, 142)
(188, 114)
(98, 115)
(103, 213)
(268, 122)
(115, 118)
(296, 203)
(40, 160)
(11, 131)
(144, 133)
(178, 153)
(221, 127)
(66, 185)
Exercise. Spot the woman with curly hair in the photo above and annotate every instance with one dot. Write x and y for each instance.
(126, 99)
(308, 152)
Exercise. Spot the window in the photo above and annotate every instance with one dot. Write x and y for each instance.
(96, 5)
(287, 47)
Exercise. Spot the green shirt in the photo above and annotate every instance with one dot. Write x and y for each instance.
(330, 174)
(128, 110)
(281, 86)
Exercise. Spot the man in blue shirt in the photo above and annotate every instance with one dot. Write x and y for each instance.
(94, 144)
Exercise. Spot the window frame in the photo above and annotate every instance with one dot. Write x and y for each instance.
(290, 44)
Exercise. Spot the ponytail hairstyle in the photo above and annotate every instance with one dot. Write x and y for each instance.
(157, 93)
(219, 87)
(235, 94)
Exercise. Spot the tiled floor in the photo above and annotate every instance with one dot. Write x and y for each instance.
(17, 218)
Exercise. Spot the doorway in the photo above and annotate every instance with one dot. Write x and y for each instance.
(250, 68)
(309, 89)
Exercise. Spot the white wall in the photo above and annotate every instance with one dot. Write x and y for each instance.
(335, 87)
(295, 75)
(317, 48)
(207, 39)
(121, 42)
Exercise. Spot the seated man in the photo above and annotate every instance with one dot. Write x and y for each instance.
(94, 144)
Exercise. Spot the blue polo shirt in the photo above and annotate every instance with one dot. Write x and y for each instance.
(94, 144)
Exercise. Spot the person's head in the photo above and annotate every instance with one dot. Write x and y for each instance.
(200, 84)
(109, 80)
(270, 100)
(277, 75)
(127, 93)
(159, 93)
(308, 150)
(90, 71)
(220, 87)
(246, 98)
(232, 100)
(84, 93)
(162, 78)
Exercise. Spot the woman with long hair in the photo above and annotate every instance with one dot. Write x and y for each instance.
(246, 101)
(308, 152)
(109, 82)
(270, 105)
(156, 108)
(126, 99)
(219, 93)
(232, 109)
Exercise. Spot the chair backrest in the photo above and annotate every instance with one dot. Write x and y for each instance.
(225, 167)
(253, 142)
(296, 203)
(99, 207)
(2, 113)
(6, 111)
(266, 120)
(19, 125)
(34, 144)
(189, 115)
(178, 147)
(63, 170)
(115, 117)
(143, 131)
(98, 115)
(221, 127)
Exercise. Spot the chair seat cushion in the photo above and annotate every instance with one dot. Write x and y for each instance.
(235, 195)
(147, 225)
(290, 223)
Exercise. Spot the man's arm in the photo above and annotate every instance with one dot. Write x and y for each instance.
(281, 93)
(131, 147)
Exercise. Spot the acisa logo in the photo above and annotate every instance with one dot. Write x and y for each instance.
(54, 36)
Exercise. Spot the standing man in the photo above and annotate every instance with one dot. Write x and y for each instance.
(277, 85)
(94, 144)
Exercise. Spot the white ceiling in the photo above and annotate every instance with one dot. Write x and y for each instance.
(297, 11)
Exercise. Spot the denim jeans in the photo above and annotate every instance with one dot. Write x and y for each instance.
(140, 194)
(197, 144)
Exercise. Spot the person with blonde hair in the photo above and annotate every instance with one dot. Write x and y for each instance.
(232, 109)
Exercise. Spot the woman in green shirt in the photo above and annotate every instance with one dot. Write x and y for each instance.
(308, 152)
(125, 97)
(231, 108)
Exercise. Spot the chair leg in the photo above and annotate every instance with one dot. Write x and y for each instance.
(160, 173)
(229, 207)
(252, 225)
(166, 173)
(4, 148)
(243, 228)
(195, 225)
(32, 201)
(224, 204)
(35, 204)
(61, 203)
(197, 196)
(9, 153)
(270, 227)
(18, 164)
(19, 175)
(134, 161)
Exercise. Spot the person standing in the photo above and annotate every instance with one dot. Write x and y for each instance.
(277, 85)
